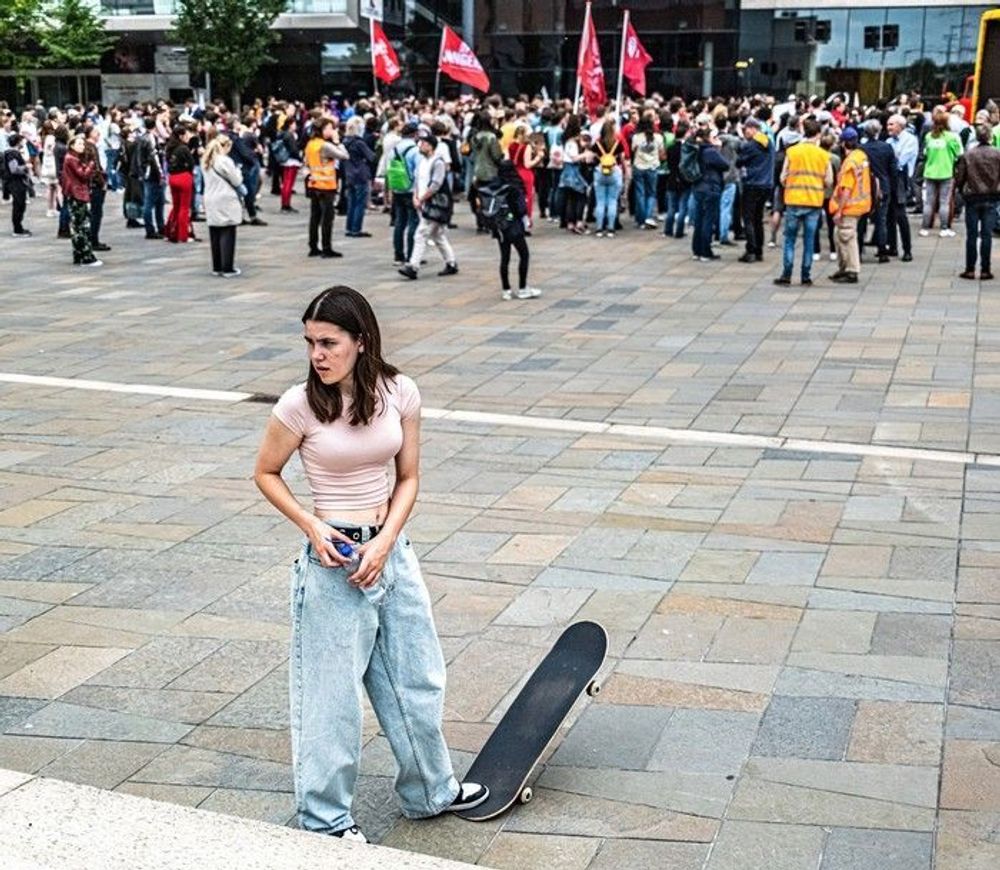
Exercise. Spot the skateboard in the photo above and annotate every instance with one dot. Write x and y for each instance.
(510, 754)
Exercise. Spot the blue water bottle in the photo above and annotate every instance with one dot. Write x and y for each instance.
(375, 593)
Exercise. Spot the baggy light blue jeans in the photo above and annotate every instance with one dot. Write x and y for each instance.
(607, 189)
(344, 638)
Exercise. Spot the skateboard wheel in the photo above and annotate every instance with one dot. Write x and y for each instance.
(526, 795)
(594, 688)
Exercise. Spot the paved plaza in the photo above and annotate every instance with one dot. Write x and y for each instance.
(782, 502)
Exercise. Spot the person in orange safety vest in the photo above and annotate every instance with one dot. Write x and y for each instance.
(852, 199)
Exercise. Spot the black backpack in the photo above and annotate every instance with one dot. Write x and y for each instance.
(494, 207)
(690, 163)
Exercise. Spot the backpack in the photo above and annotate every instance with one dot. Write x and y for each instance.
(494, 209)
(607, 161)
(690, 162)
(279, 151)
(397, 173)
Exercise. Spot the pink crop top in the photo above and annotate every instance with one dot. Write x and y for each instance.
(347, 466)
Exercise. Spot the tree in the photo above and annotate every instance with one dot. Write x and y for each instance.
(19, 21)
(229, 39)
(72, 35)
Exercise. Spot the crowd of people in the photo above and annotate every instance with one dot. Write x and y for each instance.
(720, 170)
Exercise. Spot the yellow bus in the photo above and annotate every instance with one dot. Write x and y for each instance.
(986, 78)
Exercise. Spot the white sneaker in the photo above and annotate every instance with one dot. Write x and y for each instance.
(352, 834)
(94, 263)
(234, 274)
(833, 258)
(947, 234)
(506, 295)
(51, 212)
(772, 244)
(649, 222)
(528, 293)
(815, 257)
(599, 234)
(611, 234)
(924, 233)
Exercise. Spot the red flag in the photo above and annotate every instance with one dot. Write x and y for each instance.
(589, 70)
(460, 62)
(635, 61)
(384, 59)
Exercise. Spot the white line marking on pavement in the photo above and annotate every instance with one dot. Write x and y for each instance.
(557, 424)
(109, 387)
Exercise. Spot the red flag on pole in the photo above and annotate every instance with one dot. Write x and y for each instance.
(384, 59)
(589, 71)
(635, 61)
(460, 62)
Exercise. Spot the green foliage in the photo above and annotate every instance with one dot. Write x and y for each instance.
(72, 34)
(19, 21)
(230, 39)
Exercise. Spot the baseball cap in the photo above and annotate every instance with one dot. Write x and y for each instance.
(430, 139)
(410, 127)
(849, 134)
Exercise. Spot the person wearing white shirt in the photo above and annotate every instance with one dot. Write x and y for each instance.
(431, 179)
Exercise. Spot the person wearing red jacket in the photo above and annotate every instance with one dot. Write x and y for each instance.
(78, 170)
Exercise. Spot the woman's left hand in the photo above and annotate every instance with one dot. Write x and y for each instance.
(374, 555)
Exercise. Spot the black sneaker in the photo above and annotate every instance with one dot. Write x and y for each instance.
(408, 272)
(327, 255)
(257, 222)
(352, 834)
(449, 269)
(470, 794)
(314, 252)
(783, 280)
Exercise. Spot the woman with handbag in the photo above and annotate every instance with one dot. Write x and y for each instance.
(432, 199)
(224, 192)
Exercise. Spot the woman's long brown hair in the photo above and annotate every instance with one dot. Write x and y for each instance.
(348, 309)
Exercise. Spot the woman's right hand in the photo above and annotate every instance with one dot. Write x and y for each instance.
(323, 539)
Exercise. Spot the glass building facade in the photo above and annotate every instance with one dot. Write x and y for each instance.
(698, 47)
(819, 49)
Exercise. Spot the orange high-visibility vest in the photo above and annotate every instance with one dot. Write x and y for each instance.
(322, 176)
(856, 179)
(804, 181)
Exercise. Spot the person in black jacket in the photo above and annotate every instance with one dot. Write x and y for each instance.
(884, 169)
(180, 169)
(17, 182)
(707, 191)
(357, 176)
(507, 227)
(756, 159)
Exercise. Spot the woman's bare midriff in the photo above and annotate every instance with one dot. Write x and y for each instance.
(368, 517)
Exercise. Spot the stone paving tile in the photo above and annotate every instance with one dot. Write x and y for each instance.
(835, 631)
(847, 849)
(786, 569)
(614, 737)
(275, 807)
(754, 844)
(31, 754)
(967, 841)
(59, 671)
(970, 775)
(805, 728)
(649, 855)
(102, 763)
(896, 733)
(525, 851)
(705, 741)
(540, 606)
(187, 765)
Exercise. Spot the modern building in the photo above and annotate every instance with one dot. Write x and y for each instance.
(698, 46)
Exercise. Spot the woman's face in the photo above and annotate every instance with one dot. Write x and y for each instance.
(333, 351)
(78, 145)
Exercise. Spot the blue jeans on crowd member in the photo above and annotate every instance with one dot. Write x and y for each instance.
(198, 200)
(706, 207)
(726, 210)
(607, 189)
(404, 225)
(114, 179)
(797, 216)
(344, 638)
(357, 203)
(152, 206)
(678, 203)
(980, 219)
(251, 180)
(644, 184)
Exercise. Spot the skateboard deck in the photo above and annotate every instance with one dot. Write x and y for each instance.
(510, 754)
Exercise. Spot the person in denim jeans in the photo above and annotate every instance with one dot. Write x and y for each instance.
(805, 176)
(361, 615)
(608, 180)
(707, 191)
(357, 175)
(678, 190)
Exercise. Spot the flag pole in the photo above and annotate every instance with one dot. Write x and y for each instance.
(371, 38)
(579, 56)
(621, 70)
(437, 75)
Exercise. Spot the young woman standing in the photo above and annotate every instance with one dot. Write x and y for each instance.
(361, 615)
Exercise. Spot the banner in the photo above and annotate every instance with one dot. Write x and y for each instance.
(385, 63)
(459, 61)
(589, 72)
(635, 59)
